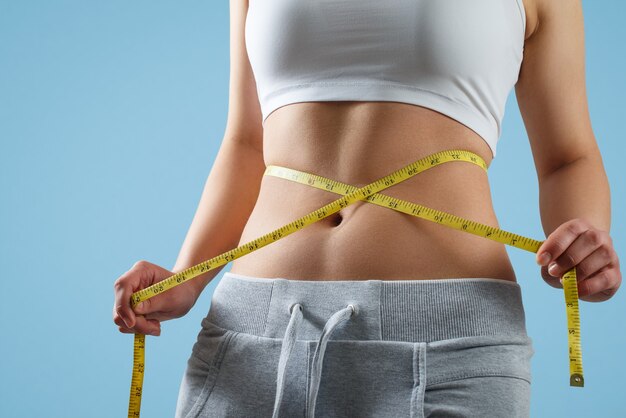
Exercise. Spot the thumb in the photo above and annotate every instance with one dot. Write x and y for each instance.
(549, 279)
(146, 307)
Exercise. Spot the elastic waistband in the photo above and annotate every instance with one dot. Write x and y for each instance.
(395, 310)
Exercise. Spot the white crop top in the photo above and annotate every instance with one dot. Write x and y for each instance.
(458, 57)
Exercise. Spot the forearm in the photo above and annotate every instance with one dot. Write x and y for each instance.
(228, 198)
(576, 190)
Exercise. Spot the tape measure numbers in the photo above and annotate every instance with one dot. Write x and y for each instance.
(570, 286)
(353, 194)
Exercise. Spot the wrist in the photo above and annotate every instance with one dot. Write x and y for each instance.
(197, 284)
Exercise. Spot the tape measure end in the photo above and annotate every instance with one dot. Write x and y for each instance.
(577, 380)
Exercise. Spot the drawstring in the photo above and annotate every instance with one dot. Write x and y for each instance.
(289, 341)
(318, 357)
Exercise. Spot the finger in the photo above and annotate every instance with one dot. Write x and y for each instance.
(151, 309)
(606, 280)
(158, 316)
(149, 306)
(552, 281)
(558, 241)
(581, 248)
(126, 330)
(147, 326)
(152, 329)
(126, 284)
(595, 262)
(158, 307)
(122, 307)
(118, 319)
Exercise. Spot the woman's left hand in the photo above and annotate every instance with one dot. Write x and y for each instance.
(578, 243)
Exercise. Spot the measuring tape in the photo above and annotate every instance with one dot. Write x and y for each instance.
(353, 194)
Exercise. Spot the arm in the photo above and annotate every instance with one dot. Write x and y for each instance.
(574, 194)
(232, 187)
(229, 196)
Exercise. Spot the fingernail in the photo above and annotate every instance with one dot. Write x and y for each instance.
(139, 306)
(155, 333)
(551, 269)
(543, 258)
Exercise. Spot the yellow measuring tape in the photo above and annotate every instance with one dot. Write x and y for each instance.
(369, 193)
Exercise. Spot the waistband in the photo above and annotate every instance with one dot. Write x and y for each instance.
(395, 310)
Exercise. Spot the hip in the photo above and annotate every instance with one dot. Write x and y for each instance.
(375, 348)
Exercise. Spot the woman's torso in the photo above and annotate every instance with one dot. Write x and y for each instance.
(357, 143)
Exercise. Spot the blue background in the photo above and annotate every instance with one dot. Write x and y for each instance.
(111, 113)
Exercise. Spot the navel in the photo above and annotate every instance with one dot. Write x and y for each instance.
(336, 219)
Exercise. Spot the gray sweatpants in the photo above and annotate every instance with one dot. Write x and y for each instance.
(274, 347)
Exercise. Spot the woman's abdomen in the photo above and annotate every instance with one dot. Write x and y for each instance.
(364, 240)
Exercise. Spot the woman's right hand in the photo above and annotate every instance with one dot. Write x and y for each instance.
(146, 317)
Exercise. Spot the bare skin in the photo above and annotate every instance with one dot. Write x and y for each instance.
(359, 142)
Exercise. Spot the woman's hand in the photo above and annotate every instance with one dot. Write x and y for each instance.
(578, 243)
(145, 318)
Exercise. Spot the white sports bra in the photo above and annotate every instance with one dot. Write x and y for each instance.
(458, 57)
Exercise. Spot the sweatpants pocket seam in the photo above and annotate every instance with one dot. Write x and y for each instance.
(474, 373)
(419, 380)
(212, 375)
